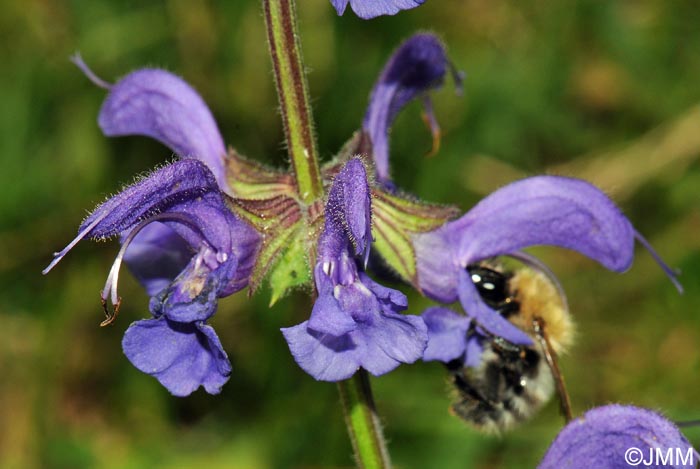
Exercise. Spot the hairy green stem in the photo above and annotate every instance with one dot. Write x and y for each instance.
(281, 24)
(363, 422)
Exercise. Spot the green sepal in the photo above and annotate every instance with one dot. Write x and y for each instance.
(396, 218)
(291, 270)
(251, 180)
(279, 222)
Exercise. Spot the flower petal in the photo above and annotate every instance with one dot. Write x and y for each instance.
(178, 183)
(474, 350)
(604, 436)
(419, 64)
(158, 104)
(348, 211)
(447, 334)
(390, 300)
(183, 196)
(486, 317)
(193, 295)
(327, 315)
(542, 210)
(390, 340)
(552, 210)
(324, 356)
(181, 356)
(156, 256)
(368, 9)
(175, 185)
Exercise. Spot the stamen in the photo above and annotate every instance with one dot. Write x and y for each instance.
(78, 61)
(111, 315)
(432, 124)
(671, 273)
(110, 288)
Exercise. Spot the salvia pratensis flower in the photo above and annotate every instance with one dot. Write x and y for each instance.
(177, 233)
(368, 9)
(418, 65)
(355, 322)
(617, 436)
(543, 210)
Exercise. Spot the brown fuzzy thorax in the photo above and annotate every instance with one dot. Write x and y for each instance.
(539, 298)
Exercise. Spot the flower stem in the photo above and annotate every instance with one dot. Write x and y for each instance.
(363, 422)
(281, 24)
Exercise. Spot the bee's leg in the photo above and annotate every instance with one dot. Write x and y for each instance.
(551, 357)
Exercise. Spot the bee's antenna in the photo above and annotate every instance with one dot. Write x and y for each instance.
(551, 357)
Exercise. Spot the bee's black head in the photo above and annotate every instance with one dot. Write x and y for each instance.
(493, 287)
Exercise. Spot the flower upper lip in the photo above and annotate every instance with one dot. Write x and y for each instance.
(419, 64)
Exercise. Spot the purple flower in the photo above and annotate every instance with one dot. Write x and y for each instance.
(419, 64)
(178, 236)
(210, 253)
(542, 210)
(368, 9)
(617, 436)
(160, 105)
(355, 322)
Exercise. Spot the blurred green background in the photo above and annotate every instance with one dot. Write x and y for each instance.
(608, 91)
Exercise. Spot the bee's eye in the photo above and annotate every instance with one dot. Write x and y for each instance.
(491, 285)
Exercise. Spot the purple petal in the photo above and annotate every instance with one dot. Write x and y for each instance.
(348, 212)
(193, 295)
(390, 340)
(447, 334)
(174, 186)
(156, 256)
(542, 210)
(486, 317)
(158, 104)
(604, 437)
(552, 210)
(178, 183)
(368, 9)
(474, 350)
(417, 65)
(437, 266)
(327, 316)
(390, 300)
(185, 197)
(379, 348)
(378, 339)
(324, 356)
(181, 356)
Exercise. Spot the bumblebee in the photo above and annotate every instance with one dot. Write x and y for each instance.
(512, 382)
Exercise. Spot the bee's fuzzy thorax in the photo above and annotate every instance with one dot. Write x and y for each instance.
(538, 297)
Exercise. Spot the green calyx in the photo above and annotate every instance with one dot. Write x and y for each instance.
(396, 218)
(267, 199)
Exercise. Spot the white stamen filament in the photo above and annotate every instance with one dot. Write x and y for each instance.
(110, 287)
